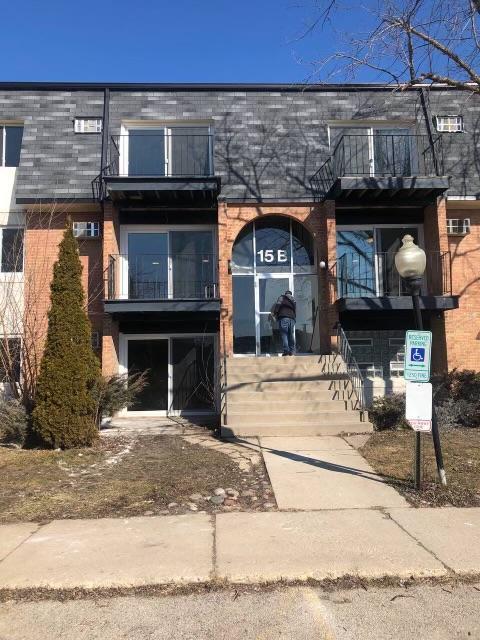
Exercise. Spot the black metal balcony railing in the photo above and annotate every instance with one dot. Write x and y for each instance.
(157, 155)
(380, 155)
(162, 277)
(375, 275)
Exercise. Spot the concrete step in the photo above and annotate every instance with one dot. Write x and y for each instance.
(276, 393)
(299, 430)
(288, 386)
(292, 419)
(260, 405)
(285, 364)
(238, 378)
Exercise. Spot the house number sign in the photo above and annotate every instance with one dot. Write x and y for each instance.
(270, 255)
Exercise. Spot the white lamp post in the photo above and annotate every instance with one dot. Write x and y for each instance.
(411, 262)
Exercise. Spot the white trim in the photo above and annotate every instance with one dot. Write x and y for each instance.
(124, 339)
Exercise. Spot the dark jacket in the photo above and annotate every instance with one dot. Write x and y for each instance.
(285, 307)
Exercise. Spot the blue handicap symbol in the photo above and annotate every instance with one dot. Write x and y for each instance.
(417, 354)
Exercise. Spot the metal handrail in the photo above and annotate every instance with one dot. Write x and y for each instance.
(224, 381)
(353, 370)
(375, 275)
(159, 276)
(397, 155)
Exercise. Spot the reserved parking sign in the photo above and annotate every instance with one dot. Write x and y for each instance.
(418, 350)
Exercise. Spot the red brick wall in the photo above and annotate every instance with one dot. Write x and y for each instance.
(44, 232)
(463, 324)
(111, 244)
(319, 219)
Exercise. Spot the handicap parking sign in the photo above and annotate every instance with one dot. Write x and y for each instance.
(417, 354)
(418, 346)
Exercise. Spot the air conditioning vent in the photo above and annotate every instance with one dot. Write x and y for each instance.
(458, 226)
(88, 125)
(449, 124)
(86, 229)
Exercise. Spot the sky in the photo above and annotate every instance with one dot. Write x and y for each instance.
(157, 41)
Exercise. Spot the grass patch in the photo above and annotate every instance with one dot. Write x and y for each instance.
(121, 477)
(391, 454)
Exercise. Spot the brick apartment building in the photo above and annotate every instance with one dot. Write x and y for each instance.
(195, 206)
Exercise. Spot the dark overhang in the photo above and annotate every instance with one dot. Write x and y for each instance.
(163, 190)
(397, 303)
(129, 308)
(215, 86)
(413, 190)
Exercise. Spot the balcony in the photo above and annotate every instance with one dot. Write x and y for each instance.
(162, 166)
(377, 167)
(149, 283)
(372, 283)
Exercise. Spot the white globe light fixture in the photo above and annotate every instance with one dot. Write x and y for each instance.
(410, 260)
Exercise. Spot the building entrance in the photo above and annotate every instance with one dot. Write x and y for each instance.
(271, 255)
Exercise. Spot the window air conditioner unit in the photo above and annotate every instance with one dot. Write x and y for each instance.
(458, 227)
(86, 229)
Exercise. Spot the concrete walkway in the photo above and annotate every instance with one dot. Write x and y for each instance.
(241, 547)
(324, 473)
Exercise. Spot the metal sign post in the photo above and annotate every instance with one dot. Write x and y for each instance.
(420, 413)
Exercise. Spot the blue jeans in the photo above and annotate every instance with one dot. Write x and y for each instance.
(287, 331)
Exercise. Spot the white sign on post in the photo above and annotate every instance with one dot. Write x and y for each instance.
(418, 350)
(418, 409)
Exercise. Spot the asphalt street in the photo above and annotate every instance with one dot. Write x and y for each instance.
(443, 612)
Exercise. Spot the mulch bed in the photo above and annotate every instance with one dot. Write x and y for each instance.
(126, 476)
(391, 454)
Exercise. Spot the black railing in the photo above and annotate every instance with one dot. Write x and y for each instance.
(380, 155)
(156, 155)
(375, 275)
(162, 276)
(353, 371)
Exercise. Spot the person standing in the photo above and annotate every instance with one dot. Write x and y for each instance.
(285, 311)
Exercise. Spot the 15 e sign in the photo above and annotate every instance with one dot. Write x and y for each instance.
(418, 349)
(268, 256)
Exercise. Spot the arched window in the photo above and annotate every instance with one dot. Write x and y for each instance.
(270, 255)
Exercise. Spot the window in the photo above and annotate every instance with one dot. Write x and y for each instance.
(11, 241)
(10, 357)
(86, 229)
(10, 145)
(180, 151)
(448, 124)
(360, 342)
(458, 226)
(88, 125)
(370, 370)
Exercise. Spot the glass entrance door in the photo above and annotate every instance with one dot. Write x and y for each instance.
(269, 288)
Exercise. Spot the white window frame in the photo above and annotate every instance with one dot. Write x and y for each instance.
(450, 124)
(79, 124)
(128, 229)
(9, 274)
(125, 338)
(168, 128)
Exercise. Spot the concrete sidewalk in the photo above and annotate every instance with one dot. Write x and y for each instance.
(324, 473)
(241, 547)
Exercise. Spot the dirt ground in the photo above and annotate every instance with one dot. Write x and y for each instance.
(132, 475)
(391, 454)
